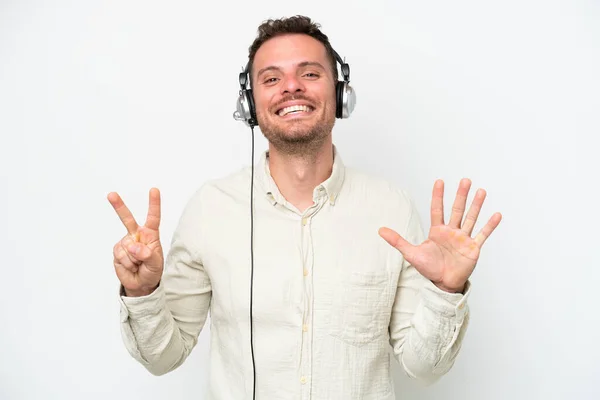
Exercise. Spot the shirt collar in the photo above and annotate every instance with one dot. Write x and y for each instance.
(330, 187)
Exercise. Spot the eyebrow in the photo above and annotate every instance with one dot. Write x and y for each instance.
(300, 65)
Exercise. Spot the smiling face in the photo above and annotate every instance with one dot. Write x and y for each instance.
(294, 93)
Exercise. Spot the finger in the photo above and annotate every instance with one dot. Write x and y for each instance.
(153, 218)
(139, 252)
(487, 230)
(124, 273)
(123, 260)
(437, 203)
(473, 213)
(130, 248)
(123, 213)
(458, 208)
(398, 242)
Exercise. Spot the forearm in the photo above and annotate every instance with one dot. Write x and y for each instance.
(152, 335)
(428, 343)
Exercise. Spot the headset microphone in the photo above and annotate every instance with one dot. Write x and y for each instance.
(345, 97)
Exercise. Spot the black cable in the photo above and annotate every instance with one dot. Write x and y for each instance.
(252, 266)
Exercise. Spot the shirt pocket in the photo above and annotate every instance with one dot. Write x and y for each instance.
(360, 309)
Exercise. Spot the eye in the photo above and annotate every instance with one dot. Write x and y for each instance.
(311, 75)
(270, 80)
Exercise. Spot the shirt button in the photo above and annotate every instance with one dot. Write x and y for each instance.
(305, 272)
(305, 328)
(461, 306)
(304, 220)
(303, 379)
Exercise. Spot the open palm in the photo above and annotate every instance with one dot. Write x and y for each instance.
(449, 254)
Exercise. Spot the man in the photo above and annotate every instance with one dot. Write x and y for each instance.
(339, 268)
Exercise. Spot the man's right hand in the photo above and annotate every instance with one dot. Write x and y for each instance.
(138, 256)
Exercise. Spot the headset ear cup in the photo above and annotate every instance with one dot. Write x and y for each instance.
(339, 99)
(251, 109)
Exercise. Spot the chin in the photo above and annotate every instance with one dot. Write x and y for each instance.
(293, 132)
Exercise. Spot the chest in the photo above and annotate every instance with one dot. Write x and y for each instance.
(295, 262)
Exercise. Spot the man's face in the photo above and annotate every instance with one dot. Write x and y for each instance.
(294, 92)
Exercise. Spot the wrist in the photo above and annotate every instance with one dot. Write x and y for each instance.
(138, 292)
(450, 289)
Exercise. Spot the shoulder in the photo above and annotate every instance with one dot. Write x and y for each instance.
(377, 190)
(389, 203)
(212, 202)
(381, 202)
(219, 194)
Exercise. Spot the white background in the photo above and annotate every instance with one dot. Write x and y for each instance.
(100, 96)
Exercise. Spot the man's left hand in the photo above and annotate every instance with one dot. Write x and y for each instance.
(449, 255)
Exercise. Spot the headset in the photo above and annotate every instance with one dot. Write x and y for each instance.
(246, 112)
(345, 96)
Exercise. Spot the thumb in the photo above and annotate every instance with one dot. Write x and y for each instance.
(398, 242)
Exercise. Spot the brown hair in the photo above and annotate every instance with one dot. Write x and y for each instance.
(297, 24)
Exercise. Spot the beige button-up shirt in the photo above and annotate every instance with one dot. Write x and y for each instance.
(331, 297)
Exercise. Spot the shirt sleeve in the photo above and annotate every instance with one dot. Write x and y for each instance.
(427, 324)
(161, 329)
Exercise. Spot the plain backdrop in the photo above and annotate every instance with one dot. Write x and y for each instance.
(100, 96)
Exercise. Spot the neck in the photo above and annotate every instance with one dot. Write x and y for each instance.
(296, 176)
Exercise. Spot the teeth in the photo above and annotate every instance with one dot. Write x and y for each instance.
(287, 110)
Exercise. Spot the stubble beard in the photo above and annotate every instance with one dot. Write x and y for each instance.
(299, 138)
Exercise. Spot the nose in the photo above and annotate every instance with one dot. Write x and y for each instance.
(291, 84)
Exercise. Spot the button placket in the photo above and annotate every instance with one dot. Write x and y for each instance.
(307, 265)
(307, 276)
